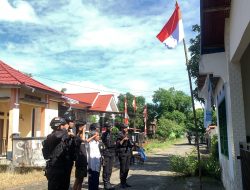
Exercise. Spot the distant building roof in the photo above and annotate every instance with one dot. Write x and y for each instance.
(102, 103)
(88, 98)
(99, 103)
(10, 76)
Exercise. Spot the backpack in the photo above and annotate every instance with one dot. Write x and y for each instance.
(142, 154)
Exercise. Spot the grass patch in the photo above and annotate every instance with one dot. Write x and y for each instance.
(9, 179)
(153, 145)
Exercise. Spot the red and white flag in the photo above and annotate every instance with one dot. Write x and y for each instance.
(173, 32)
(134, 104)
(125, 111)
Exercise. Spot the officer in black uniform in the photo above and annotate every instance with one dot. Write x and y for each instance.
(70, 119)
(124, 150)
(109, 141)
(59, 163)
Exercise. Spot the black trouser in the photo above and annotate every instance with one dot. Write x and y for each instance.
(124, 160)
(93, 180)
(107, 167)
(58, 178)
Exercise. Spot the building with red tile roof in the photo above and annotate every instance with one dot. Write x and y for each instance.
(105, 103)
(99, 103)
(12, 77)
(27, 107)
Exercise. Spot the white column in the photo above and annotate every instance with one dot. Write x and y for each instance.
(15, 119)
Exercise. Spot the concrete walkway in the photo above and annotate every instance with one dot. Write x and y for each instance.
(154, 174)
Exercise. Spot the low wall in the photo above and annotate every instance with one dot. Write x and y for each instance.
(28, 152)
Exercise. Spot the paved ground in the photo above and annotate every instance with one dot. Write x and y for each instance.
(155, 174)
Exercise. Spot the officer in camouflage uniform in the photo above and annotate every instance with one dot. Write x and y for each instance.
(58, 153)
(109, 141)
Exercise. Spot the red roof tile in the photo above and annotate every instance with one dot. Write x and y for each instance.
(84, 97)
(102, 102)
(10, 76)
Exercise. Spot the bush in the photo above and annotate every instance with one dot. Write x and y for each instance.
(211, 167)
(188, 165)
(214, 147)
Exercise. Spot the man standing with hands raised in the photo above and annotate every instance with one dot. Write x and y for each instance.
(124, 150)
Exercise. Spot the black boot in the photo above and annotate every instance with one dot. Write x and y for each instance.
(108, 186)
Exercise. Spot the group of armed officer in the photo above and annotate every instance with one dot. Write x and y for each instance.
(62, 146)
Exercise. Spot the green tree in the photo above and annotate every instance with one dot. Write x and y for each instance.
(152, 112)
(176, 116)
(63, 90)
(171, 100)
(168, 129)
(199, 120)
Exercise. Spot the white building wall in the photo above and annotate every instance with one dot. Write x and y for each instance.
(216, 60)
(226, 163)
(245, 69)
(239, 28)
(231, 176)
(237, 39)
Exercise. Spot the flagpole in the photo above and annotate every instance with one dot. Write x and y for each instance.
(134, 107)
(194, 112)
(134, 121)
(145, 119)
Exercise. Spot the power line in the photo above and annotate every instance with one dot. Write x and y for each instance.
(60, 81)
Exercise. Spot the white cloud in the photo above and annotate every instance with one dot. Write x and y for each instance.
(19, 11)
(97, 49)
(84, 87)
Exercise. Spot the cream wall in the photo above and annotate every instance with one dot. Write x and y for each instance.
(37, 131)
(4, 107)
(28, 91)
(25, 121)
(50, 112)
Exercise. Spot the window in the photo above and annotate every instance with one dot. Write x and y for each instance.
(223, 127)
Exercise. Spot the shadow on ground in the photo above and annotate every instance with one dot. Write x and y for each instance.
(154, 182)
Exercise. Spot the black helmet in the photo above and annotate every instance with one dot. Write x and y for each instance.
(123, 126)
(69, 118)
(107, 124)
(93, 126)
(57, 122)
(80, 123)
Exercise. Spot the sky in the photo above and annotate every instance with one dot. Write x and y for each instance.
(108, 46)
